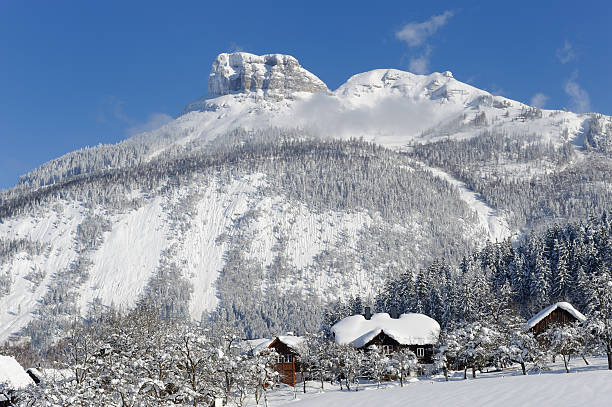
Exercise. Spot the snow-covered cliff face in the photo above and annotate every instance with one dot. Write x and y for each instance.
(275, 75)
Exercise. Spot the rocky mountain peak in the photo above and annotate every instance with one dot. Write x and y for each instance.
(275, 75)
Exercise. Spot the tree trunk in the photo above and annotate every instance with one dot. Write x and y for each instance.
(565, 362)
(473, 372)
(321, 379)
(609, 352)
(465, 373)
(523, 367)
(401, 378)
(585, 361)
(445, 370)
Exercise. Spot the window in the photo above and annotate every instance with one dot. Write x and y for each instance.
(387, 349)
(420, 352)
(284, 358)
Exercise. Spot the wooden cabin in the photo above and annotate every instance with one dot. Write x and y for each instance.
(288, 364)
(560, 313)
(413, 331)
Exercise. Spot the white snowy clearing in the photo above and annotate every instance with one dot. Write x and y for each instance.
(585, 386)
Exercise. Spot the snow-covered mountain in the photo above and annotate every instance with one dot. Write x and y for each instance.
(273, 196)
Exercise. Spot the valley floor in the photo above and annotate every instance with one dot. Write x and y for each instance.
(584, 386)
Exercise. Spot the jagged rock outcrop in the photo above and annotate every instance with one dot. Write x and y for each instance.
(274, 74)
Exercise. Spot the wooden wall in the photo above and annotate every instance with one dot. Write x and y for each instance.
(559, 316)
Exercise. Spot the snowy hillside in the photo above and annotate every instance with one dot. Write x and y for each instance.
(273, 222)
(258, 202)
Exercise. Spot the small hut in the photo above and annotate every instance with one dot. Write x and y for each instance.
(560, 313)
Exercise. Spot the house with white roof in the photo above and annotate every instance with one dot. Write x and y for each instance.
(12, 378)
(417, 332)
(560, 313)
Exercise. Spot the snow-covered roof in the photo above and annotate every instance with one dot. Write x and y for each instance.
(260, 344)
(408, 329)
(255, 345)
(546, 311)
(291, 340)
(13, 374)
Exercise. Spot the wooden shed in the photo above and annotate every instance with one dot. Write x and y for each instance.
(560, 313)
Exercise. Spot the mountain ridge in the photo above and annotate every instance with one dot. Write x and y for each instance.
(389, 106)
(263, 205)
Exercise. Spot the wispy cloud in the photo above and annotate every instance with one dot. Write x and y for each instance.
(234, 47)
(566, 53)
(154, 122)
(420, 64)
(539, 100)
(111, 112)
(495, 89)
(110, 109)
(415, 34)
(579, 98)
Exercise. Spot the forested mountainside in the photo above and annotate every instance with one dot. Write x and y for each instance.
(267, 201)
(533, 183)
(562, 263)
(267, 228)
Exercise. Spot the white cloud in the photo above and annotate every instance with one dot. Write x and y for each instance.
(566, 53)
(154, 122)
(420, 65)
(393, 117)
(415, 34)
(579, 98)
(539, 100)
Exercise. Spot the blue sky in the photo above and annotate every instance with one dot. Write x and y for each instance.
(79, 73)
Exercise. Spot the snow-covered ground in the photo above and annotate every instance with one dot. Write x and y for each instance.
(585, 386)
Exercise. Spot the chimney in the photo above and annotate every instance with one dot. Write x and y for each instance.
(368, 313)
(393, 312)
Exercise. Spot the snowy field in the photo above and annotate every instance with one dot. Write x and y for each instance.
(584, 386)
